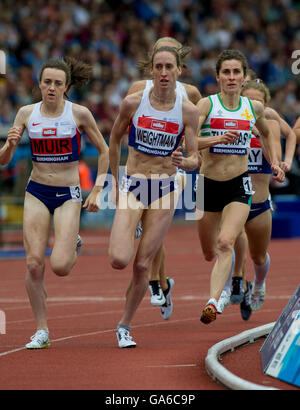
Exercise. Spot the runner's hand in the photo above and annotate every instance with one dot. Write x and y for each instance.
(229, 137)
(278, 173)
(14, 136)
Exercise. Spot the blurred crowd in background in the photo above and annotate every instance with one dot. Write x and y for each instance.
(113, 35)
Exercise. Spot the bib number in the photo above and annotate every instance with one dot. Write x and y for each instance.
(247, 183)
(76, 193)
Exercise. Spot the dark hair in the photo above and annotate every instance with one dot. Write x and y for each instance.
(231, 55)
(258, 85)
(77, 72)
(147, 64)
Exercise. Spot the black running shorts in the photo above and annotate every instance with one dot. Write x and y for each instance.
(218, 194)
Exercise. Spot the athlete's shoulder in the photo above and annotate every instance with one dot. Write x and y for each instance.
(80, 112)
(271, 114)
(24, 114)
(137, 86)
(131, 103)
(189, 110)
(258, 108)
(204, 105)
(26, 109)
(83, 117)
(193, 93)
(79, 108)
(133, 99)
(188, 105)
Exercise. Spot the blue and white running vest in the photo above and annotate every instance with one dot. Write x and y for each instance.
(54, 140)
(257, 162)
(155, 132)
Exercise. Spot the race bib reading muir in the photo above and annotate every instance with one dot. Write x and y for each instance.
(56, 140)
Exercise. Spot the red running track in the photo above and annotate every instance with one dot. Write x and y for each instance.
(84, 309)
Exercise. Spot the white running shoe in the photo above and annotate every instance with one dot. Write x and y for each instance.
(124, 338)
(166, 309)
(258, 296)
(78, 245)
(223, 301)
(157, 295)
(39, 340)
(139, 230)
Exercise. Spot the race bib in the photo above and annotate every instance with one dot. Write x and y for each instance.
(247, 183)
(76, 193)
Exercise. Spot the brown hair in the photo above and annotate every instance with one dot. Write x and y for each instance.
(147, 64)
(183, 51)
(260, 86)
(231, 55)
(77, 72)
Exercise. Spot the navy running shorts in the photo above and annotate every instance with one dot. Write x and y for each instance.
(54, 196)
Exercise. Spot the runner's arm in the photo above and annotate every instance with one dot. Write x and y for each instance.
(288, 133)
(14, 135)
(86, 122)
(268, 140)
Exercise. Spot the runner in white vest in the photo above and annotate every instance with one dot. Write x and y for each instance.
(54, 126)
(160, 285)
(154, 136)
(227, 186)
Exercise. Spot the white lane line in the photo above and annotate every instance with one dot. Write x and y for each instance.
(66, 299)
(98, 332)
(174, 365)
(112, 299)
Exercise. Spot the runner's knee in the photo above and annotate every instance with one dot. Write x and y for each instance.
(61, 267)
(118, 260)
(258, 258)
(141, 267)
(35, 268)
(120, 253)
(224, 244)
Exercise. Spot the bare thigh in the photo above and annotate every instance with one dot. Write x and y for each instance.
(208, 229)
(66, 221)
(233, 220)
(36, 227)
(157, 219)
(121, 245)
(156, 223)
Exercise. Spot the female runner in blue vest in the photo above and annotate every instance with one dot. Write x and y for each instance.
(157, 118)
(259, 222)
(241, 289)
(227, 186)
(54, 127)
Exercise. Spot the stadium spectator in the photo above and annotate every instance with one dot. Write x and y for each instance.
(112, 35)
